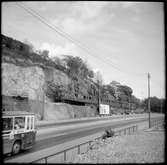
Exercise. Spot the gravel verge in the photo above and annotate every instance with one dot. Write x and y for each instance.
(142, 147)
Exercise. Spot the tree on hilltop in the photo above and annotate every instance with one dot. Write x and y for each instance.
(75, 67)
(126, 90)
(156, 104)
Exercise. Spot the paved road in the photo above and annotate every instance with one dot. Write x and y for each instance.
(51, 137)
(46, 124)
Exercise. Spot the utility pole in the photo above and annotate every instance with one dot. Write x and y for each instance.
(99, 96)
(149, 100)
(43, 103)
(129, 105)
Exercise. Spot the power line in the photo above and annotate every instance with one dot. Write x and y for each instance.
(149, 110)
(67, 36)
(63, 34)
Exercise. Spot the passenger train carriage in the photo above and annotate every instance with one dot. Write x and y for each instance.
(19, 131)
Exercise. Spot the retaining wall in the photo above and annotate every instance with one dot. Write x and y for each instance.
(59, 111)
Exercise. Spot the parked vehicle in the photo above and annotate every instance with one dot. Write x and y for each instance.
(19, 131)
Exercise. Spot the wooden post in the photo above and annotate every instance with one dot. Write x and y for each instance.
(99, 96)
(149, 100)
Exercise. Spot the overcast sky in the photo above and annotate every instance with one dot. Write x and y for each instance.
(126, 39)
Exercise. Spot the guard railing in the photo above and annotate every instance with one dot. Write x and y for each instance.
(156, 123)
(123, 131)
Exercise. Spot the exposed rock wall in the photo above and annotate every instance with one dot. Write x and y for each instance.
(30, 82)
(20, 81)
(26, 74)
(56, 76)
(23, 104)
(58, 111)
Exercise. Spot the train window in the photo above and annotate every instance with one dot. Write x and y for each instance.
(31, 122)
(28, 121)
(7, 124)
(19, 122)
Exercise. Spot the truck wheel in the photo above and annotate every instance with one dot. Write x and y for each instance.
(16, 148)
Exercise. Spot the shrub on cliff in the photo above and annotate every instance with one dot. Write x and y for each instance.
(76, 66)
(54, 91)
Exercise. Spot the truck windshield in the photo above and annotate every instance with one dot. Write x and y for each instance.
(7, 124)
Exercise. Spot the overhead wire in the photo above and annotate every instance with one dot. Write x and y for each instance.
(67, 36)
(31, 11)
(77, 43)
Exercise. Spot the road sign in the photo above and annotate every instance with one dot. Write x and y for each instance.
(104, 109)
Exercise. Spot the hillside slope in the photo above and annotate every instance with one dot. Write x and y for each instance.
(26, 75)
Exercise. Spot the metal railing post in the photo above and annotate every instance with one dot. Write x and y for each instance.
(129, 130)
(78, 149)
(124, 131)
(65, 155)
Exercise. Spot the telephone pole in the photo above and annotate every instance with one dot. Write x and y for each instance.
(129, 105)
(149, 100)
(99, 96)
(43, 102)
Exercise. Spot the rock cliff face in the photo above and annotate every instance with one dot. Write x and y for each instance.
(26, 75)
(58, 77)
(29, 82)
(19, 81)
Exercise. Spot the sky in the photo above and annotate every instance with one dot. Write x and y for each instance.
(125, 40)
